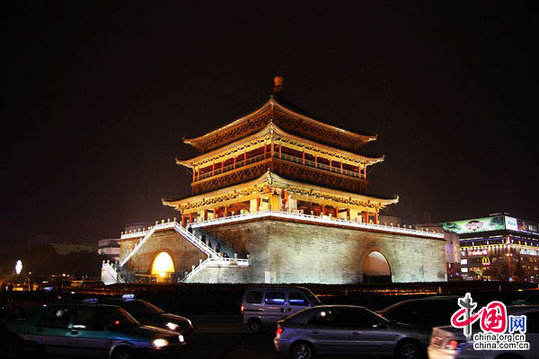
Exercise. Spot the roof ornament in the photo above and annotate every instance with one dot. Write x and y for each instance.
(278, 82)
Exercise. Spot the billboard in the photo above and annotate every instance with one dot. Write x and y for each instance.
(519, 225)
(487, 224)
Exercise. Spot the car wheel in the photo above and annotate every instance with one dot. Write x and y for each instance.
(302, 351)
(409, 350)
(255, 326)
(123, 353)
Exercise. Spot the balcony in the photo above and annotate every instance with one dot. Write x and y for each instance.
(283, 157)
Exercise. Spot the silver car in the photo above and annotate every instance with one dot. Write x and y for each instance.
(343, 329)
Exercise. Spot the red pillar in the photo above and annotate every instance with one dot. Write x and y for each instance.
(376, 217)
(280, 151)
(190, 218)
(258, 204)
(183, 220)
(303, 155)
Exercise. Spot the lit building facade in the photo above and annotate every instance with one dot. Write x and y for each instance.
(279, 196)
(498, 247)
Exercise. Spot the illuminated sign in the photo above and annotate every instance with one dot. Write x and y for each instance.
(476, 225)
(518, 225)
(485, 261)
(488, 224)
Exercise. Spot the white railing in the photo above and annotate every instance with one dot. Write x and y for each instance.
(209, 251)
(162, 226)
(213, 257)
(138, 245)
(109, 267)
(318, 219)
(197, 269)
(216, 262)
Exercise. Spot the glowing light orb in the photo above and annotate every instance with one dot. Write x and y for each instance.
(162, 264)
(18, 267)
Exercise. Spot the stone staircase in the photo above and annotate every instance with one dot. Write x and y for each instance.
(118, 273)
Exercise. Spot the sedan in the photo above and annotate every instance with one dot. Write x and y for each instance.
(425, 313)
(150, 314)
(339, 329)
(91, 330)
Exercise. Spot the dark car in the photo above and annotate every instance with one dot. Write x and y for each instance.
(531, 299)
(347, 330)
(425, 313)
(92, 330)
(150, 314)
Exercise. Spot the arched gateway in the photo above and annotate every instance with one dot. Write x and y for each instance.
(162, 265)
(376, 269)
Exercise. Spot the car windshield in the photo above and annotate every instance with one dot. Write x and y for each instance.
(140, 308)
(117, 318)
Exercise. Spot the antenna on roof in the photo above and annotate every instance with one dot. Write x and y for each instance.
(278, 84)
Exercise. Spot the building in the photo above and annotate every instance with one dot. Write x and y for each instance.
(109, 249)
(66, 247)
(279, 197)
(498, 247)
(452, 249)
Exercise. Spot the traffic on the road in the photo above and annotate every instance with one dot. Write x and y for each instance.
(273, 321)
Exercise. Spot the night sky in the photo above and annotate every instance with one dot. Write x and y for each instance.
(96, 99)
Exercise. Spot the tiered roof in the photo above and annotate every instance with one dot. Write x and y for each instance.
(288, 117)
(245, 191)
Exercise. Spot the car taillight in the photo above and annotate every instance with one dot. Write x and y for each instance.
(242, 308)
(280, 330)
(380, 315)
(453, 344)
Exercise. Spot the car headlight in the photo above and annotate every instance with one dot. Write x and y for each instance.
(180, 338)
(172, 326)
(159, 343)
(190, 323)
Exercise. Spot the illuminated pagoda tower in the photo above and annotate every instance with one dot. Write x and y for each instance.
(279, 158)
(280, 197)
